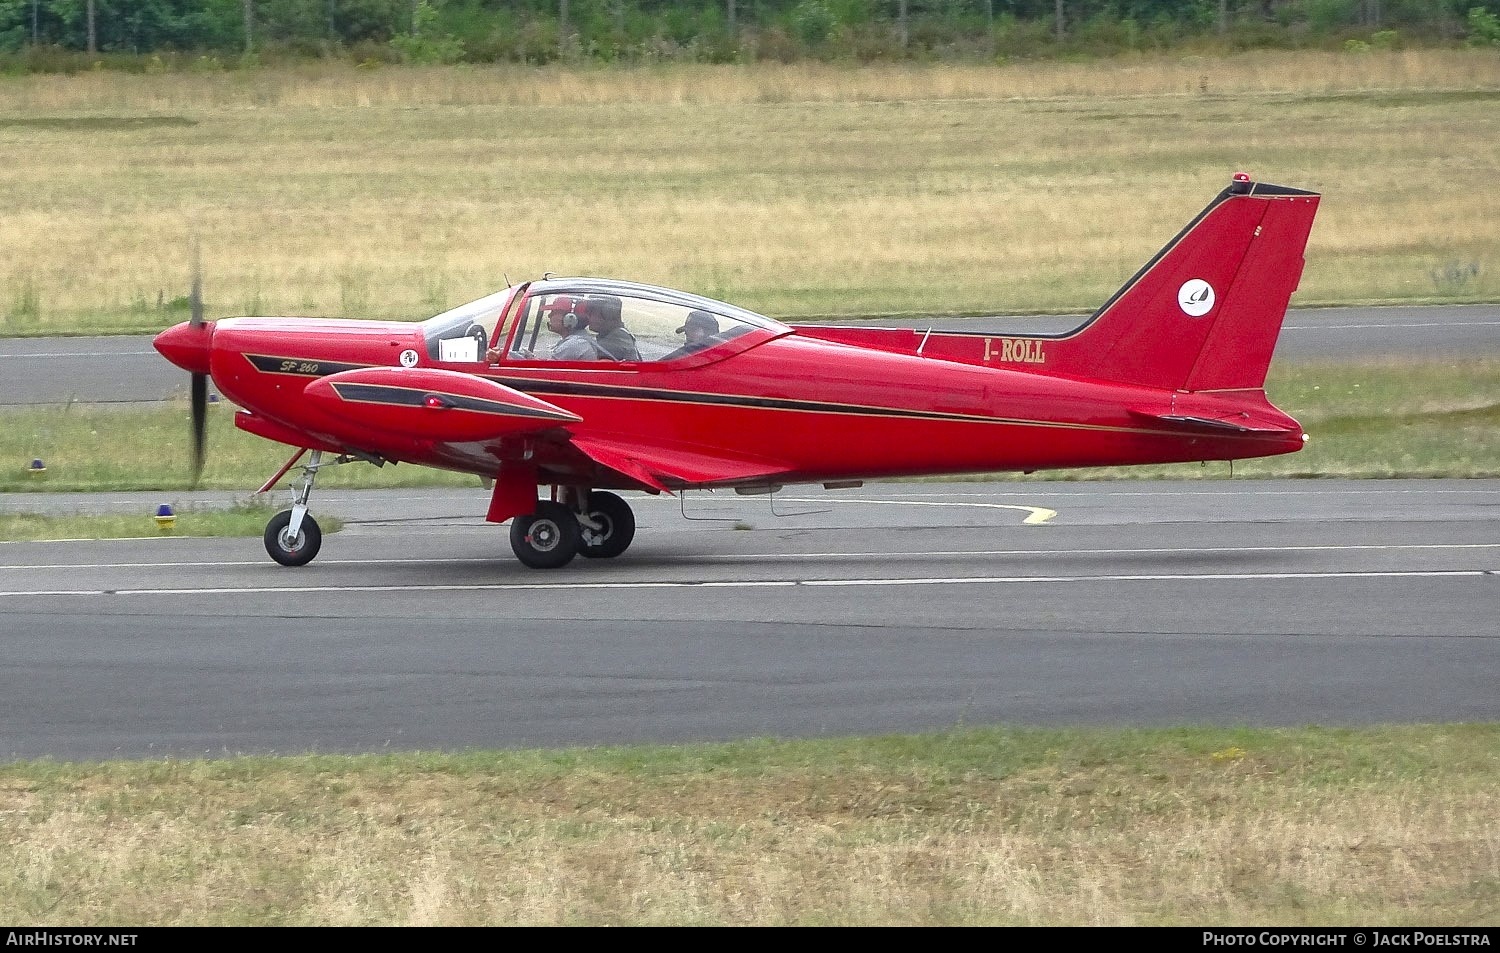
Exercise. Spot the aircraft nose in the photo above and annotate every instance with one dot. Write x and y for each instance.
(186, 345)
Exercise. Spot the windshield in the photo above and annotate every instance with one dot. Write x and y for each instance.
(463, 333)
(602, 320)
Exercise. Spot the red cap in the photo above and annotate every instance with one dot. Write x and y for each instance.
(561, 303)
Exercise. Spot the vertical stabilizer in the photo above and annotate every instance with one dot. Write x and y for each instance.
(1205, 312)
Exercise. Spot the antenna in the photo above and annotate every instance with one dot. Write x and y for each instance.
(924, 342)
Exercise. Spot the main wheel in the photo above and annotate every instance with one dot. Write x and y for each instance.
(618, 526)
(548, 538)
(288, 551)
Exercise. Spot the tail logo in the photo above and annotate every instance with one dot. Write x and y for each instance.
(1196, 298)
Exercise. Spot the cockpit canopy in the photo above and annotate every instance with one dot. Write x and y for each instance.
(659, 324)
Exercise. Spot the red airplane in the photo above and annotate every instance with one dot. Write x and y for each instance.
(587, 385)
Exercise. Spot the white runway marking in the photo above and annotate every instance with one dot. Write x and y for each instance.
(572, 585)
(81, 354)
(1038, 514)
(747, 557)
(1368, 327)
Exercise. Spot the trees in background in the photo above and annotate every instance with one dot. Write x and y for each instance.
(709, 30)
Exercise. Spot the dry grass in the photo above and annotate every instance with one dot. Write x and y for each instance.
(795, 190)
(1373, 827)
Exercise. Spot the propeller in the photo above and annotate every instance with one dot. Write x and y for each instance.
(199, 390)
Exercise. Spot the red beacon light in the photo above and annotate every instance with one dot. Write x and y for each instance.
(434, 402)
(1241, 183)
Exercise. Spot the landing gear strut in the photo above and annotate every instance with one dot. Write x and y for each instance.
(292, 536)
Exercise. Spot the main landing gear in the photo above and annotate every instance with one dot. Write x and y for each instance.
(594, 523)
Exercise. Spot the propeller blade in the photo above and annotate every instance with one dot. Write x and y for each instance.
(200, 423)
(199, 391)
(195, 297)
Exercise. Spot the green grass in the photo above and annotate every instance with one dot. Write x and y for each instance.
(248, 519)
(1378, 826)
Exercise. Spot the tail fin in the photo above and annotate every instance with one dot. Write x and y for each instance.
(1204, 314)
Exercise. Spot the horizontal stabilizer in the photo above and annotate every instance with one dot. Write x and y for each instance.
(1247, 413)
(1203, 423)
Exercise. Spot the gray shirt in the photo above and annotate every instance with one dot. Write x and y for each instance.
(618, 344)
(575, 347)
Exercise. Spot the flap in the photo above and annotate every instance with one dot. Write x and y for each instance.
(657, 466)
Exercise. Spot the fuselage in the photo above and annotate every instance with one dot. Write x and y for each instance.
(813, 409)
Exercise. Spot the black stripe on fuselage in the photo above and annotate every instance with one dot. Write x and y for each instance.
(576, 389)
(392, 396)
(299, 366)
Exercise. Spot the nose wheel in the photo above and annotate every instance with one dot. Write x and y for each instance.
(293, 549)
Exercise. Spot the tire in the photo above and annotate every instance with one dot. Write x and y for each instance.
(619, 526)
(547, 539)
(298, 552)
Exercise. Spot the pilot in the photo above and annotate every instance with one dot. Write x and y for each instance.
(698, 329)
(564, 320)
(610, 336)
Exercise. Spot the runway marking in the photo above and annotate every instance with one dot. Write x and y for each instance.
(81, 354)
(1038, 514)
(571, 585)
(688, 558)
(1367, 327)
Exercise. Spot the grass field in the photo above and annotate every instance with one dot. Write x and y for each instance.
(1383, 826)
(794, 190)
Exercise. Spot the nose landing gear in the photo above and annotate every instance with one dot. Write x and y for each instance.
(292, 536)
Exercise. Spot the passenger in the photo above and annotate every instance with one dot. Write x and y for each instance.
(699, 328)
(611, 338)
(564, 321)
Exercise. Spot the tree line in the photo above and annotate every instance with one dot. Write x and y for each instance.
(37, 34)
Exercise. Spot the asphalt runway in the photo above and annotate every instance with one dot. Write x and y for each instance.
(895, 607)
(128, 370)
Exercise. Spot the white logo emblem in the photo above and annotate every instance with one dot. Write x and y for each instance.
(409, 357)
(1196, 298)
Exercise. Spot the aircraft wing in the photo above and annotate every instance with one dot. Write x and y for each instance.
(664, 468)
